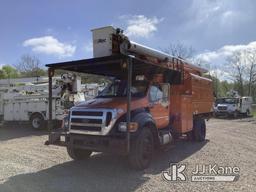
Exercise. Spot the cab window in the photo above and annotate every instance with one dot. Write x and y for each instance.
(155, 93)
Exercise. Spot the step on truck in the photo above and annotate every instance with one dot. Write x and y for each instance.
(153, 99)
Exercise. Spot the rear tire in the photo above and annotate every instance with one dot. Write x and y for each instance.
(141, 150)
(199, 130)
(190, 136)
(235, 115)
(37, 121)
(248, 114)
(78, 154)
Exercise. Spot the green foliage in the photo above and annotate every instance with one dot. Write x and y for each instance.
(254, 110)
(34, 73)
(89, 78)
(8, 71)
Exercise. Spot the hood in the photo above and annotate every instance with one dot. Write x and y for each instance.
(115, 102)
(222, 105)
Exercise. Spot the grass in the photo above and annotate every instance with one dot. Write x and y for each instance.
(254, 110)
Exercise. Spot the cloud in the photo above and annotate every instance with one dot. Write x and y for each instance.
(225, 51)
(217, 11)
(88, 47)
(222, 75)
(217, 59)
(50, 46)
(216, 22)
(140, 25)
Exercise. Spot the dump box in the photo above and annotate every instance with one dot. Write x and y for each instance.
(194, 96)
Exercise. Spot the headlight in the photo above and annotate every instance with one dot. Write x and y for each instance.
(132, 128)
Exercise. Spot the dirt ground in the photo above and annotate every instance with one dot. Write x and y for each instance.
(26, 164)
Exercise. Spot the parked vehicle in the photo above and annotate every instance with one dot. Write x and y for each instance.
(153, 99)
(26, 99)
(229, 106)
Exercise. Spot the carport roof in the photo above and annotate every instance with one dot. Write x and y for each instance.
(108, 66)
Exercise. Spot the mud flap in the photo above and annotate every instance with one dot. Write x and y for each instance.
(59, 138)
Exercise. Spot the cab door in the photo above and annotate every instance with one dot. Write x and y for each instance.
(159, 104)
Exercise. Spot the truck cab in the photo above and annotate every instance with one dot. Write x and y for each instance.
(111, 104)
(233, 106)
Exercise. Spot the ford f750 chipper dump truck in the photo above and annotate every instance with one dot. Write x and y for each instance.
(153, 99)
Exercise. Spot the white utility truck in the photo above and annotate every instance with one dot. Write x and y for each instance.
(233, 106)
(26, 99)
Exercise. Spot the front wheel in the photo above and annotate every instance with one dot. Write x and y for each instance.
(141, 150)
(78, 154)
(235, 115)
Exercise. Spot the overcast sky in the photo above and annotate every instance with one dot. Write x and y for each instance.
(59, 30)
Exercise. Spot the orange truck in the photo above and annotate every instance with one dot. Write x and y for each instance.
(154, 99)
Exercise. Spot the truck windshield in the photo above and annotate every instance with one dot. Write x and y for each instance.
(227, 101)
(119, 89)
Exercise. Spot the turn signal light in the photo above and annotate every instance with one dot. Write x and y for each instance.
(133, 126)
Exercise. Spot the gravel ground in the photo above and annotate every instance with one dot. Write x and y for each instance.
(26, 164)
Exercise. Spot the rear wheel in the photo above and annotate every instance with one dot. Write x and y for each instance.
(78, 154)
(248, 113)
(190, 136)
(199, 130)
(141, 151)
(37, 121)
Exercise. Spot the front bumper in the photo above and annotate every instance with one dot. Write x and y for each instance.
(223, 113)
(110, 144)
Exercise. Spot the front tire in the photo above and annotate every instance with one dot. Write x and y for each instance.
(235, 115)
(78, 154)
(141, 150)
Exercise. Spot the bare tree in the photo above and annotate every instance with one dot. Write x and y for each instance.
(215, 74)
(237, 68)
(180, 50)
(30, 66)
(251, 69)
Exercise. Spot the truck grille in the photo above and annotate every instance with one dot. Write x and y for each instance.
(222, 108)
(91, 121)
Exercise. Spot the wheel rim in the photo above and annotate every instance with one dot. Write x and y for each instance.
(36, 122)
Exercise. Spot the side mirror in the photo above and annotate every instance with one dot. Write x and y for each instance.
(166, 94)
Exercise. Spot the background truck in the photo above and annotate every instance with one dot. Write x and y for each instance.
(153, 99)
(233, 106)
(26, 99)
